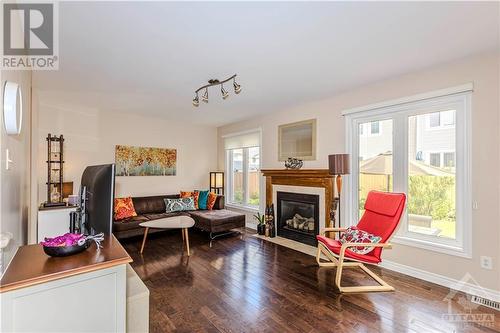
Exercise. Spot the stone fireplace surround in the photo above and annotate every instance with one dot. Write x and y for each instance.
(306, 181)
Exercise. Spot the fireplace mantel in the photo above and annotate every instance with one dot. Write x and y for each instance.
(304, 177)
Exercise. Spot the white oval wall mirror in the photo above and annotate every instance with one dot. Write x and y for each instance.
(12, 108)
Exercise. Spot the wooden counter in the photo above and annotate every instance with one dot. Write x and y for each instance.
(31, 266)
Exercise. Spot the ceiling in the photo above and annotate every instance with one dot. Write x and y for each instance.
(149, 57)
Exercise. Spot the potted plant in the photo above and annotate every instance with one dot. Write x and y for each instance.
(261, 224)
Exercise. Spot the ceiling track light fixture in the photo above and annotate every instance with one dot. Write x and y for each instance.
(215, 82)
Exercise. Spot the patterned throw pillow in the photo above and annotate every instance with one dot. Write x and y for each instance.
(179, 205)
(194, 194)
(354, 235)
(211, 200)
(202, 200)
(124, 208)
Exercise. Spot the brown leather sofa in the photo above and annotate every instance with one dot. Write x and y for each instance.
(216, 221)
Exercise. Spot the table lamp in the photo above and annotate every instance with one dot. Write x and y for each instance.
(338, 164)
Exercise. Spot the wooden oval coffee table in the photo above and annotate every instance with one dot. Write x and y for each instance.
(182, 222)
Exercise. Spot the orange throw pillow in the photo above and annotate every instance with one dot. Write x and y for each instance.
(194, 194)
(124, 208)
(211, 200)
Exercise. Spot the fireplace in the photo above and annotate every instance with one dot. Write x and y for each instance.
(297, 216)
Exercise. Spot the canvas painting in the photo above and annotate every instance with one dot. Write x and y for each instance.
(145, 161)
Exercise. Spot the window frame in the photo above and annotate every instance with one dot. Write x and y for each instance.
(399, 112)
(245, 168)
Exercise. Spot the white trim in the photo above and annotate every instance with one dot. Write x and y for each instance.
(442, 280)
(249, 209)
(413, 98)
(254, 130)
(462, 245)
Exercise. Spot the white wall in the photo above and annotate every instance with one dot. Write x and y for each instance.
(483, 71)
(15, 182)
(90, 139)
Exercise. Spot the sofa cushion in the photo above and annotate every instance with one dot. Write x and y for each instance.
(153, 204)
(202, 199)
(123, 208)
(212, 197)
(130, 223)
(163, 215)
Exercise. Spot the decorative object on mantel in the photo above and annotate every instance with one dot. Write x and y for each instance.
(55, 164)
(145, 161)
(215, 82)
(297, 140)
(261, 225)
(293, 163)
(338, 164)
(217, 182)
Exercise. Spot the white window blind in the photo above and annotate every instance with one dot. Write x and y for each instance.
(244, 140)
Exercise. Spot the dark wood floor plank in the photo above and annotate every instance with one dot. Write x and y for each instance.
(251, 285)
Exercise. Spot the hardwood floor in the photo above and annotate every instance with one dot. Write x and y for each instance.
(252, 285)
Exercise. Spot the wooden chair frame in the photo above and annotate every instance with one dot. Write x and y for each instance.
(339, 262)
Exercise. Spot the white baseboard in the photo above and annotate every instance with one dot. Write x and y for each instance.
(462, 285)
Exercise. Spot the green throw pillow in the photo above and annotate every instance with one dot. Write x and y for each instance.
(202, 199)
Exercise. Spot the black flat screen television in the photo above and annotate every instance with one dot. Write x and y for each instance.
(97, 197)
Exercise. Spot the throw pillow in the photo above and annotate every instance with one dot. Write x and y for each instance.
(355, 235)
(124, 208)
(179, 205)
(211, 200)
(194, 194)
(202, 199)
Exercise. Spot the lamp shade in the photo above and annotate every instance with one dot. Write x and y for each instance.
(216, 179)
(338, 164)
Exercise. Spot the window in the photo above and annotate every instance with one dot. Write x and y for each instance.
(441, 119)
(243, 169)
(435, 159)
(431, 167)
(375, 127)
(449, 160)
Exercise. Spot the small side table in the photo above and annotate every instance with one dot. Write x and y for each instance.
(182, 222)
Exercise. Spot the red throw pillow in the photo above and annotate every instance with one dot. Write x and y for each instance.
(355, 235)
(211, 200)
(124, 208)
(194, 194)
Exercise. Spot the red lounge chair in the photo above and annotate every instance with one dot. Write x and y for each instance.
(382, 215)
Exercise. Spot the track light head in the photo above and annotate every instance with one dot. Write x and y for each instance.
(224, 92)
(196, 101)
(204, 98)
(237, 87)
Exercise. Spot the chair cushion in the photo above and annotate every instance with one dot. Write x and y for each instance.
(334, 246)
(355, 235)
(383, 203)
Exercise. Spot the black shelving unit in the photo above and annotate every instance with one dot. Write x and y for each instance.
(55, 166)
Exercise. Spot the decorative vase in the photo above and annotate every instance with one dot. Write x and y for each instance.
(267, 230)
(293, 163)
(261, 229)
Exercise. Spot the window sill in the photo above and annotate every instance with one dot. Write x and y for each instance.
(436, 247)
(249, 209)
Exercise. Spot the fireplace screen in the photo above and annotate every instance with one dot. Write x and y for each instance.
(298, 216)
